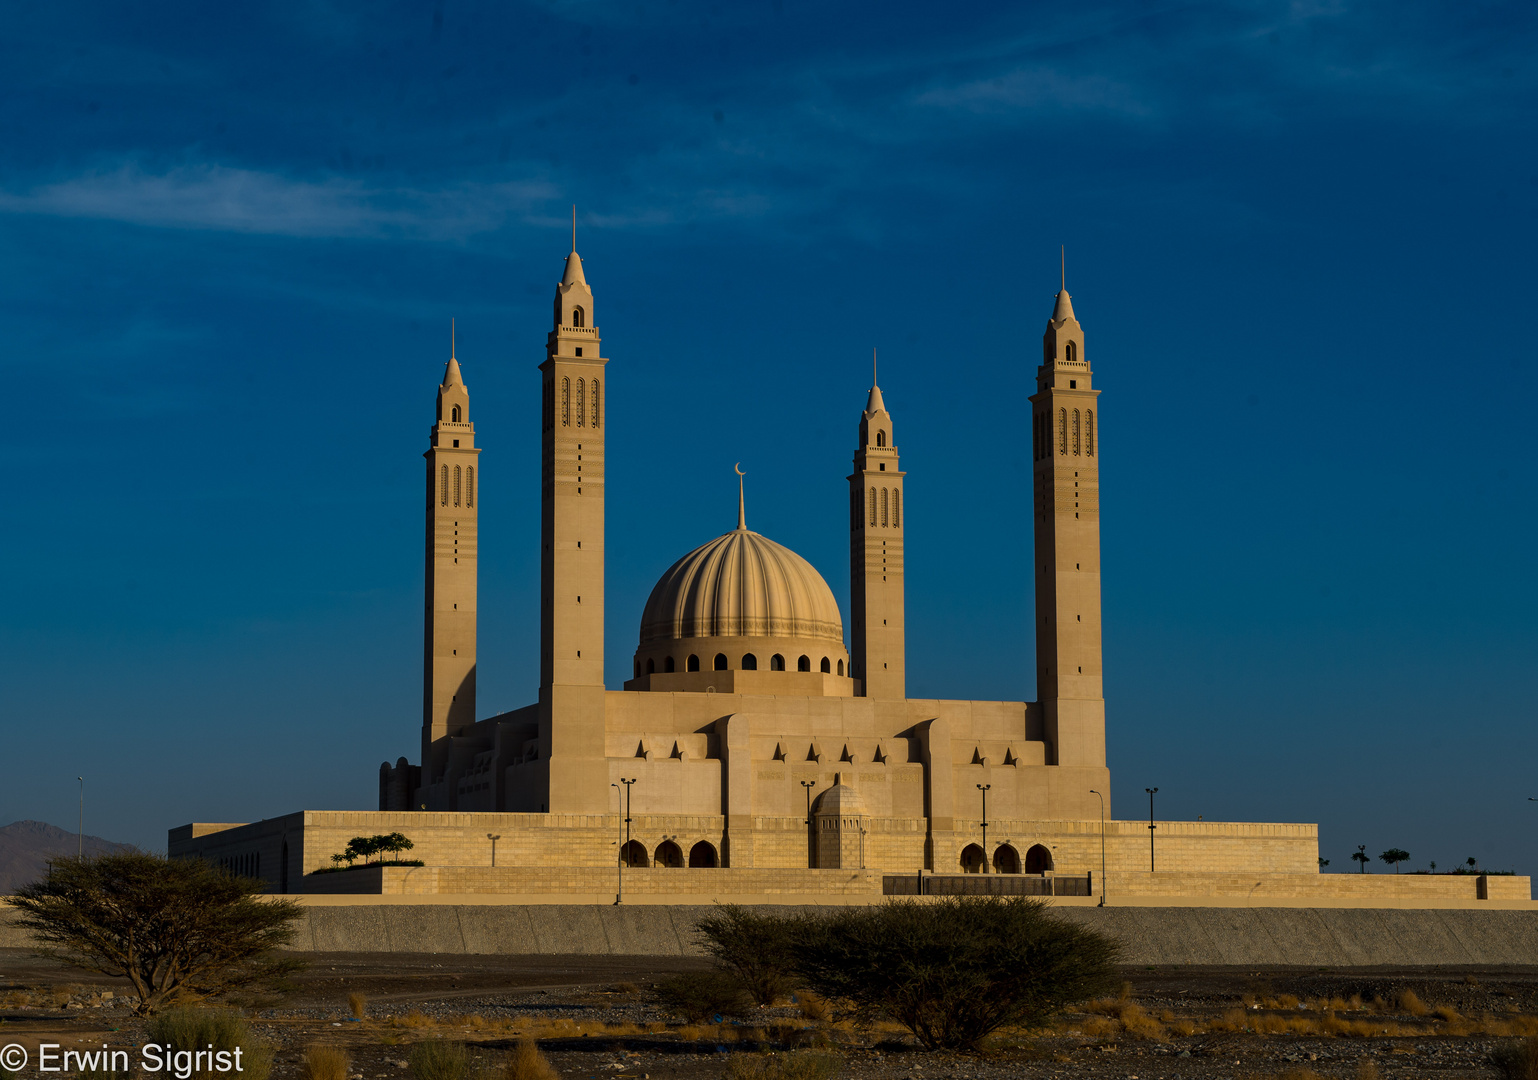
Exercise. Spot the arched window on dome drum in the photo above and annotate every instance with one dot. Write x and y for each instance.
(1062, 431)
(1089, 433)
(827, 668)
(1076, 433)
(884, 518)
(694, 662)
(880, 438)
(897, 498)
(576, 316)
(454, 415)
(776, 662)
(1071, 352)
(749, 662)
(566, 402)
(720, 661)
(595, 402)
(841, 668)
(456, 484)
(804, 664)
(581, 415)
(443, 496)
(651, 667)
(873, 508)
(667, 665)
(470, 485)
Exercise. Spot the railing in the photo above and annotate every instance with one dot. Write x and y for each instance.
(987, 885)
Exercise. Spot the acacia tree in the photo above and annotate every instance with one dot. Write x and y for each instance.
(176, 929)
(1394, 856)
(1361, 856)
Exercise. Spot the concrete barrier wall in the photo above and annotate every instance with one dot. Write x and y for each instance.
(1321, 937)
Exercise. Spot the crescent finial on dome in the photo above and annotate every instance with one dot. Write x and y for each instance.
(742, 517)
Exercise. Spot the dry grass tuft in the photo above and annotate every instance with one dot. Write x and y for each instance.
(796, 1065)
(1447, 1013)
(325, 1063)
(1366, 1069)
(1517, 1060)
(527, 1063)
(1411, 1003)
(357, 1004)
(627, 988)
(813, 1007)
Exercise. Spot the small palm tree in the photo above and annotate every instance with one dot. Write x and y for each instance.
(1323, 862)
(1394, 856)
(1361, 856)
(1473, 863)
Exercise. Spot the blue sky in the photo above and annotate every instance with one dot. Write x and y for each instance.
(1299, 238)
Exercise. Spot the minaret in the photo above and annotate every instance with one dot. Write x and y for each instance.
(448, 681)
(876, 516)
(571, 552)
(1065, 441)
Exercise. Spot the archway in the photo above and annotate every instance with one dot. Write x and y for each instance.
(971, 859)
(634, 854)
(720, 661)
(1006, 860)
(749, 662)
(1038, 860)
(669, 854)
(702, 856)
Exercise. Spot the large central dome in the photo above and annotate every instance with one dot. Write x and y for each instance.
(742, 584)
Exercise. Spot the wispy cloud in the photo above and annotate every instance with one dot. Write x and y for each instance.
(220, 198)
(1038, 89)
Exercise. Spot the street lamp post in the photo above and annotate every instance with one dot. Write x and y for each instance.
(810, 847)
(493, 837)
(1152, 791)
(984, 789)
(1101, 797)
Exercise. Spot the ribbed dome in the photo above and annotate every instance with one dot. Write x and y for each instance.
(741, 585)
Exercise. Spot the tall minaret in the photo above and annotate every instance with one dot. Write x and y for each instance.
(575, 412)
(876, 512)
(448, 681)
(1065, 430)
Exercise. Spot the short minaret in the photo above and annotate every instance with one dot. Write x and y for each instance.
(877, 644)
(1065, 440)
(572, 552)
(448, 682)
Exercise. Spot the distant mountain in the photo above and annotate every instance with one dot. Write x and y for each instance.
(26, 847)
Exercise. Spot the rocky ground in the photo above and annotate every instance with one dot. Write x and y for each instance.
(596, 1017)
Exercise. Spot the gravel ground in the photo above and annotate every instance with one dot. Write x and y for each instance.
(449, 991)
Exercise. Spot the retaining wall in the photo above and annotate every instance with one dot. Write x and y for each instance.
(1321, 937)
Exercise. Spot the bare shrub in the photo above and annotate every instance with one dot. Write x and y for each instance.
(190, 1029)
(1410, 1002)
(357, 1004)
(698, 996)
(758, 949)
(325, 1063)
(1517, 1060)
(437, 1060)
(795, 1065)
(812, 1007)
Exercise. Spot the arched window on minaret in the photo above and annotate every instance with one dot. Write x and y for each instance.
(896, 508)
(456, 485)
(1076, 433)
(880, 438)
(595, 402)
(1071, 352)
(444, 496)
(576, 316)
(1089, 433)
(1062, 431)
(581, 413)
(566, 402)
(454, 415)
(873, 508)
(883, 508)
(470, 485)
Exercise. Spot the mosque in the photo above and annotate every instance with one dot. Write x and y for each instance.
(757, 751)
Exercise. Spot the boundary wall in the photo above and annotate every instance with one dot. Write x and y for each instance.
(1254, 936)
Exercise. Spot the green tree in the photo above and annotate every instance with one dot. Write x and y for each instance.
(1323, 862)
(176, 929)
(1361, 856)
(394, 843)
(1473, 863)
(758, 949)
(1394, 856)
(955, 971)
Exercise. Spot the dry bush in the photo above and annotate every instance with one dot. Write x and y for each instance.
(1140, 1025)
(691, 1033)
(813, 1007)
(527, 1063)
(436, 1060)
(1448, 1013)
(477, 1022)
(1354, 1004)
(217, 1029)
(357, 1004)
(796, 1065)
(1184, 1028)
(698, 995)
(626, 988)
(1366, 1069)
(1286, 1001)
(1410, 1002)
(415, 1019)
(324, 1063)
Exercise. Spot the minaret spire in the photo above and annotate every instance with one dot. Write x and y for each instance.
(573, 228)
(742, 516)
